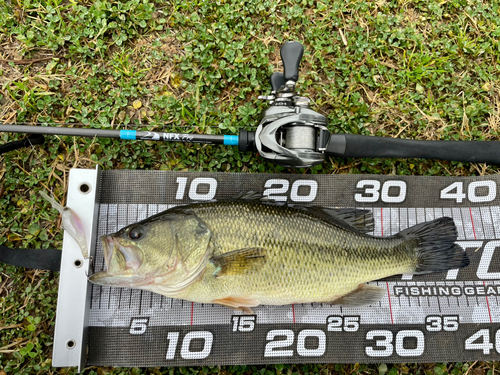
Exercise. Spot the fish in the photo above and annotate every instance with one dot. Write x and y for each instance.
(243, 253)
(71, 223)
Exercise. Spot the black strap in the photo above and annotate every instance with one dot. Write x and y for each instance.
(42, 259)
(33, 139)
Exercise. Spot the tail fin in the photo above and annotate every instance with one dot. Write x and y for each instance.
(435, 249)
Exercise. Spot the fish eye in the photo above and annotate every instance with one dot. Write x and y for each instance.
(135, 233)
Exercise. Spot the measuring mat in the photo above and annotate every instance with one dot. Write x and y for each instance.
(449, 316)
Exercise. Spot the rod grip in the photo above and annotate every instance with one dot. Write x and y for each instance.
(291, 54)
(365, 146)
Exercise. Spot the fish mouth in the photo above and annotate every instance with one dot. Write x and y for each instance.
(129, 281)
(108, 246)
(118, 258)
(121, 264)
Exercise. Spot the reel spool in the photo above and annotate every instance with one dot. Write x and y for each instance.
(292, 136)
(300, 137)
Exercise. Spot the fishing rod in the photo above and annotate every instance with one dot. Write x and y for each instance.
(122, 134)
(293, 135)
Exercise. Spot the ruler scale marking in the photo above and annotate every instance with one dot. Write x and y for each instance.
(192, 312)
(488, 304)
(439, 304)
(382, 221)
(130, 299)
(120, 298)
(140, 301)
(100, 294)
(472, 223)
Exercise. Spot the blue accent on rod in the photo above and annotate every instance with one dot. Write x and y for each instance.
(231, 140)
(128, 134)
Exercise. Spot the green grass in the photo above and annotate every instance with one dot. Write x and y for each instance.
(422, 69)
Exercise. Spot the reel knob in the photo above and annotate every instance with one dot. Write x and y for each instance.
(291, 54)
(277, 80)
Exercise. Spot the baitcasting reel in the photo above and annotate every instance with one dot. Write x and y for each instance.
(289, 133)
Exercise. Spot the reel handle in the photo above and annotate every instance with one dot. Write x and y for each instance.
(291, 54)
(365, 146)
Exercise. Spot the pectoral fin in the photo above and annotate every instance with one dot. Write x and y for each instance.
(363, 295)
(240, 261)
(239, 303)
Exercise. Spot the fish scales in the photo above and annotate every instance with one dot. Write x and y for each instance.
(307, 259)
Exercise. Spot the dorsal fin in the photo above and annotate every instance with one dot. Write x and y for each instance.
(252, 196)
(349, 218)
(361, 220)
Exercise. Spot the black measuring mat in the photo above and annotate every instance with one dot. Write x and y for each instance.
(449, 316)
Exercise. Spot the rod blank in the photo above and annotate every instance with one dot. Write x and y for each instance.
(53, 130)
(123, 134)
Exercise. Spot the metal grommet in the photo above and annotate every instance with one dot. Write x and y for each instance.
(70, 344)
(84, 188)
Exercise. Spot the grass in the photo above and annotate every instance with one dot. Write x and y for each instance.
(421, 69)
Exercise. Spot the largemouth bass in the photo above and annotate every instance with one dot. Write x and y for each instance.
(244, 253)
